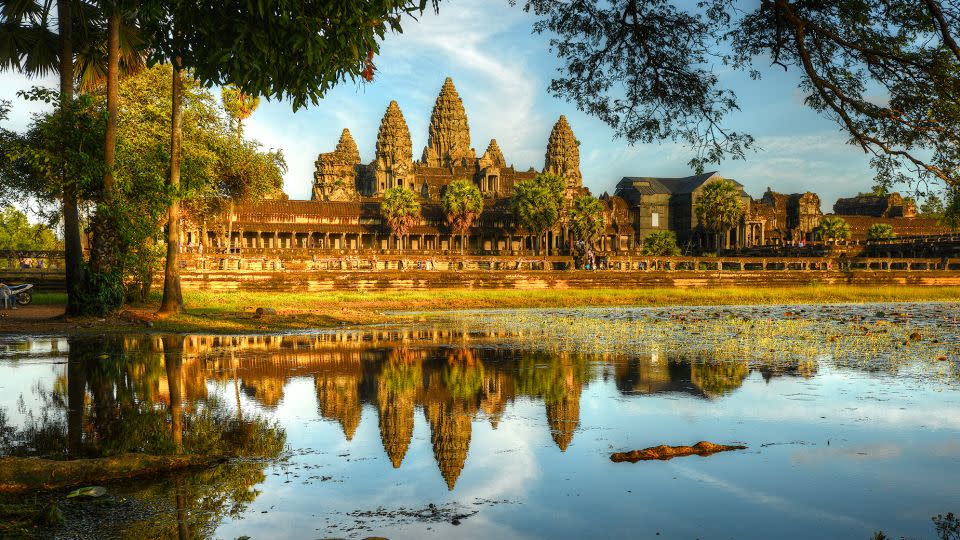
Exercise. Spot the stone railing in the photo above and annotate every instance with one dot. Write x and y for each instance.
(379, 260)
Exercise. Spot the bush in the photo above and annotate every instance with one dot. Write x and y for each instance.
(661, 243)
(880, 231)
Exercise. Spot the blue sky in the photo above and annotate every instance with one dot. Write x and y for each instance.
(502, 71)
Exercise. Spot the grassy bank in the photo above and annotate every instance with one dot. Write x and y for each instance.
(234, 311)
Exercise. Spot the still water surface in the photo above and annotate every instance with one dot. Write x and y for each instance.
(420, 430)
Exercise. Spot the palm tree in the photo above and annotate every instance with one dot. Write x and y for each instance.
(719, 207)
(833, 228)
(462, 202)
(401, 209)
(538, 203)
(239, 106)
(587, 219)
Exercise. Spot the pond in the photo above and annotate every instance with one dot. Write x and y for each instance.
(501, 424)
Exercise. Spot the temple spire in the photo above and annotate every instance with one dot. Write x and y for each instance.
(347, 148)
(448, 142)
(563, 154)
(394, 162)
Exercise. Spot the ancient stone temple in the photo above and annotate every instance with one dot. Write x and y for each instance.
(448, 144)
(335, 178)
(343, 217)
(885, 206)
(393, 166)
(563, 154)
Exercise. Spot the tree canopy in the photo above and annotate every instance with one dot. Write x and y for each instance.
(880, 231)
(279, 49)
(719, 206)
(401, 208)
(887, 73)
(586, 218)
(537, 203)
(661, 243)
(833, 228)
(462, 203)
(17, 233)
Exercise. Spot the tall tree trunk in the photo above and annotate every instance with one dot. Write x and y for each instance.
(113, 82)
(172, 297)
(73, 249)
(173, 362)
(105, 248)
(76, 392)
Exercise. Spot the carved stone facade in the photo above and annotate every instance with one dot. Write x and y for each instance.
(393, 165)
(563, 154)
(448, 144)
(787, 217)
(335, 178)
(344, 213)
(881, 206)
(448, 156)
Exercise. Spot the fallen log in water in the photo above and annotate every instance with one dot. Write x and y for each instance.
(664, 452)
(19, 474)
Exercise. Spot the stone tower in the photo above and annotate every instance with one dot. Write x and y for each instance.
(394, 162)
(338, 398)
(335, 176)
(563, 417)
(395, 405)
(490, 164)
(450, 430)
(448, 143)
(563, 154)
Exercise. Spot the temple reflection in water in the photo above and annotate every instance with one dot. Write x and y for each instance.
(452, 378)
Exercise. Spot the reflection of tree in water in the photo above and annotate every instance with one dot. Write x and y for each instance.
(559, 381)
(395, 374)
(133, 395)
(717, 379)
(463, 375)
(192, 505)
(139, 395)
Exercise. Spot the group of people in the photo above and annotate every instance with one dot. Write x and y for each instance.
(29, 262)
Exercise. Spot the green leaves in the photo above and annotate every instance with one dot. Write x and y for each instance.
(661, 243)
(16, 233)
(587, 219)
(833, 228)
(462, 203)
(536, 203)
(278, 49)
(880, 231)
(401, 208)
(719, 206)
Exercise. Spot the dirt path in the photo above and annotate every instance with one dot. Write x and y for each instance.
(33, 318)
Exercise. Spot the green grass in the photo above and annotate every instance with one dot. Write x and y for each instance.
(217, 302)
(49, 298)
(232, 312)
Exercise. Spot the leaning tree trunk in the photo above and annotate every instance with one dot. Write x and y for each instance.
(73, 250)
(172, 301)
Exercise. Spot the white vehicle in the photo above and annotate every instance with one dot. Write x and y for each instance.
(22, 293)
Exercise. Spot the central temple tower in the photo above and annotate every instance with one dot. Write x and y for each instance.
(563, 154)
(448, 142)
